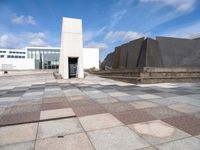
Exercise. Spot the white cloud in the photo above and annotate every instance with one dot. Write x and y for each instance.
(8, 40)
(123, 36)
(24, 20)
(180, 5)
(190, 31)
(90, 35)
(101, 46)
(37, 39)
(117, 16)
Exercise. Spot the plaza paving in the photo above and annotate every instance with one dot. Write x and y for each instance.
(39, 112)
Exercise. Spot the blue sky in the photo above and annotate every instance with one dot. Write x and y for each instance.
(106, 23)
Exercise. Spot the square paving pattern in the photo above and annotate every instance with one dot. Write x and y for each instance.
(38, 112)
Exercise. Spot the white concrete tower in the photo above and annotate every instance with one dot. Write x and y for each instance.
(71, 53)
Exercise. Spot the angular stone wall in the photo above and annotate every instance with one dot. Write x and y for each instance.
(179, 52)
(162, 52)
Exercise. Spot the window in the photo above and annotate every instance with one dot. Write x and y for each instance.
(8, 56)
(1, 56)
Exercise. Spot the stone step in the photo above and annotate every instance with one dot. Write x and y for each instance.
(161, 79)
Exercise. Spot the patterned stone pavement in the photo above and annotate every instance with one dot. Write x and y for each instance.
(39, 112)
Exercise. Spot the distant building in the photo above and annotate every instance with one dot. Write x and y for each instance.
(15, 59)
(72, 58)
(45, 57)
(42, 58)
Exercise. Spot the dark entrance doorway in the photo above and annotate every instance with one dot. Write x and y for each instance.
(72, 67)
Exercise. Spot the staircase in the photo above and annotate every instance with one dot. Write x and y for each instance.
(149, 75)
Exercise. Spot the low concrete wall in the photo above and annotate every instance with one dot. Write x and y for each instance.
(17, 64)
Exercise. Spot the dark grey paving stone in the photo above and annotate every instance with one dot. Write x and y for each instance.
(165, 94)
(88, 110)
(133, 116)
(19, 118)
(22, 109)
(181, 92)
(189, 124)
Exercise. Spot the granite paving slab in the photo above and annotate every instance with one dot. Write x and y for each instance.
(60, 127)
(99, 121)
(133, 116)
(181, 92)
(184, 144)
(83, 103)
(163, 101)
(117, 107)
(162, 112)
(56, 113)
(143, 104)
(157, 132)
(54, 105)
(128, 98)
(77, 98)
(18, 133)
(105, 100)
(88, 110)
(185, 108)
(19, 146)
(19, 118)
(148, 96)
(69, 142)
(165, 94)
(54, 99)
(116, 138)
(22, 109)
(189, 124)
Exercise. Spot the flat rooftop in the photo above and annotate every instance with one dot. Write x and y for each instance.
(39, 112)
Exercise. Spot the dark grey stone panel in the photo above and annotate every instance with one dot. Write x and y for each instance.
(179, 52)
(116, 59)
(123, 56)
(153, 58)
(142, 57)
(134, 48)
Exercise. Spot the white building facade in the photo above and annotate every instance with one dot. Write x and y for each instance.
(71, 53)
(91, 58)
(71, 58)
(15, 59)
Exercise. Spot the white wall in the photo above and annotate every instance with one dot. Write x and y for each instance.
(71, 46)
(17, 64)
(91, 58)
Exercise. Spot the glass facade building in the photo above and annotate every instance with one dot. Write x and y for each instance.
(45, 57)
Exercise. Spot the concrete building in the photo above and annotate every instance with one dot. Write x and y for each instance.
(71, 54)
(44, 57)
(71, 58)
(15, 59)
(91, 58)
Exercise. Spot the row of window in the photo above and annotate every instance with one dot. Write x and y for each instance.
(13, 52)
(2, 51)
(11, 56)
